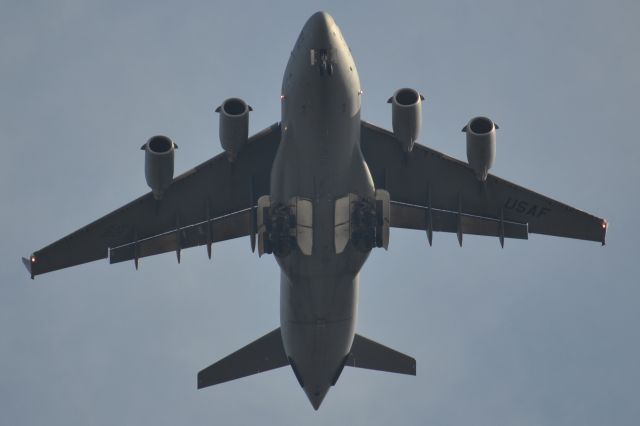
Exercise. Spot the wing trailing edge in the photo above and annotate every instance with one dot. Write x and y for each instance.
(223, 228)
(438, 220)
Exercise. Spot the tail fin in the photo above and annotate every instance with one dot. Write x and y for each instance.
(368, 354)
(263, 354)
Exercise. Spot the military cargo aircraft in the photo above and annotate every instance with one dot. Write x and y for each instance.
(318, 190)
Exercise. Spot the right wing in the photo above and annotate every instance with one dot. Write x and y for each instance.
(429, 189)
(211, 202)
(264, 354)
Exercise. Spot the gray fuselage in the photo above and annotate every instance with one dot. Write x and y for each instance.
(319, 158)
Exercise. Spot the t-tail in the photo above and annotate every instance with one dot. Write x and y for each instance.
(267, 353)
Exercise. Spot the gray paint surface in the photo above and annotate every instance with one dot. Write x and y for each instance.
(542, 332)
(319, 157)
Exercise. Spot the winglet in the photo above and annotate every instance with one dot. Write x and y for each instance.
(27, 264)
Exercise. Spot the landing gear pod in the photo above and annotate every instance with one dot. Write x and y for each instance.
(481, 145)
(159, 152)
(363, 221)
(283, 226)
(234, 125)
(406, 116)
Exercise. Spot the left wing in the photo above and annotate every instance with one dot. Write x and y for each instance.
(211, 202)
(424, 184)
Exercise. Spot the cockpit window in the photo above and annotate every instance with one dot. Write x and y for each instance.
(323, 59)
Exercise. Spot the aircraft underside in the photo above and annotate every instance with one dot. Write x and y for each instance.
(318, 191)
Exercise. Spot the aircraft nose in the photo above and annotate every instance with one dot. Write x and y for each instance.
(319, 28)
(316, 394)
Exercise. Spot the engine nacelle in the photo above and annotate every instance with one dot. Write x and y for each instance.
(234, 125)
(481, 145)
(159, 152)
(406, 116)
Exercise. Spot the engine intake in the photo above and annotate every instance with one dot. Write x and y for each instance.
(159, 152)
(234, 126)
(406, 116)
(481, 145)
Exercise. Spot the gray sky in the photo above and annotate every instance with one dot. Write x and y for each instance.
(545, 331)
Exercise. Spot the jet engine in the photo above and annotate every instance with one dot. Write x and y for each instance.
(234, 125)
(406, 114)
(158, 164)
(481, 145)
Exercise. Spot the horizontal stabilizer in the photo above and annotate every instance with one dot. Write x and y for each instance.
(371, 355)
(264, 354)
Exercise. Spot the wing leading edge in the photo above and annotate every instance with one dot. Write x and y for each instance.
(431, 183)
(216, 195)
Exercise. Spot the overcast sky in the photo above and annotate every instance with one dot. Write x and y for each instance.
(545, 331)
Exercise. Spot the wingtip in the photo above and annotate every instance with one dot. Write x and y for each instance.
(27, 264)
(202, 380)
(199, 382)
